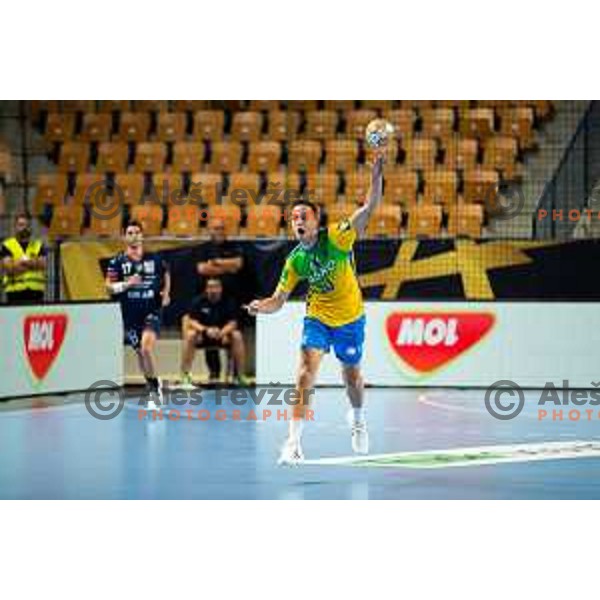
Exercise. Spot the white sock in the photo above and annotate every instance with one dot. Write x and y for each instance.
(296, 427)
(359, 414)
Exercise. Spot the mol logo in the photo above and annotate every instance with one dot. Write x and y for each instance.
(427, 341)
(43, 336)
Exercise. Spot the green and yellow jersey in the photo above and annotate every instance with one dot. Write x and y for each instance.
(334, 296)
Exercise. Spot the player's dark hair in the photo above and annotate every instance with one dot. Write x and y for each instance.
(305, 202)
(134, 223)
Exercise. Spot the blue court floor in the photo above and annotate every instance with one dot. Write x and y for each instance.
(63, 452)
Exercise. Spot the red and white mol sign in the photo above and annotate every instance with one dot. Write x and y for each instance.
(43, 336)
(427, 341)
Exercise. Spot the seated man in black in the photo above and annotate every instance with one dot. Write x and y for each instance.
(211, 323)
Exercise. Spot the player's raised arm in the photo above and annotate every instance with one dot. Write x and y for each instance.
(361, 217)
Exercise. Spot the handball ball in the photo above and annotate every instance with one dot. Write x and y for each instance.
(378, 133)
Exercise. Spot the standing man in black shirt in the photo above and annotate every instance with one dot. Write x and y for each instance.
(224, 259)
(211, 323)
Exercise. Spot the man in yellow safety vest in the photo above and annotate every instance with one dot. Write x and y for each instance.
(24, 265)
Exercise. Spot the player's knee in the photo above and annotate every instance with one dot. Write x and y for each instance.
(353, 377)
(236, 336)
(190, 336)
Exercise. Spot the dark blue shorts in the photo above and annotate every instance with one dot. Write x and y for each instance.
(134, 328)
(347, 341)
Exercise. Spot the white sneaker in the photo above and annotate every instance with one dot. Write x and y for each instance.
(360, 437)
(291, 453)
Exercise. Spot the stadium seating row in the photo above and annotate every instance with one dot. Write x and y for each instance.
(266, 221)
(500, 153)
(543, 108)
(437, 186)
(251, 126)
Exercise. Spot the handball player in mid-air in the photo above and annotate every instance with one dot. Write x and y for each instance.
(335, 313)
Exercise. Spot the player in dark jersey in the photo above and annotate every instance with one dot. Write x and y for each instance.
(141, 283)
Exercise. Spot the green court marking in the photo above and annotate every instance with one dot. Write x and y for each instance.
(464, 457)
(425, 461)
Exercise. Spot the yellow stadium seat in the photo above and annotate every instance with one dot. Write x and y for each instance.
(304, 155)
(403, 121)
(168, 187)
(283, 125)
(477, 122)
(321, 124)
(243, 188)
(59, 127)
(322, 187)
(420, 153)
(51, 188)
(438, 122)
(150, 157)
(357, 121)
(96, 127)
(501, 153)
(133, 127)
(385, 221)
(461, 153)
(401, 187)
(226, 157)
(441, 187)
(282, 188)
(246, 126)
(90, 186)
(264, 156)
(481, 186)
(171, 127)
(66, 221)
(341, 155)
(466, 220)
(113, 157)
(188, 157)
(357, 186)
(74, 157)
(425, 221)
(518, 122)
(209, 124)
(106, 226)
(263, 221)
(131, 187)
(183, 220)
(150, 216)
(207, 186)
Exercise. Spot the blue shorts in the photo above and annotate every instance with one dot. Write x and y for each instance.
(134, 329)
(347, 340)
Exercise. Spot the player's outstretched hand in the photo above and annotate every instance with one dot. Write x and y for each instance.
(253, 308)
